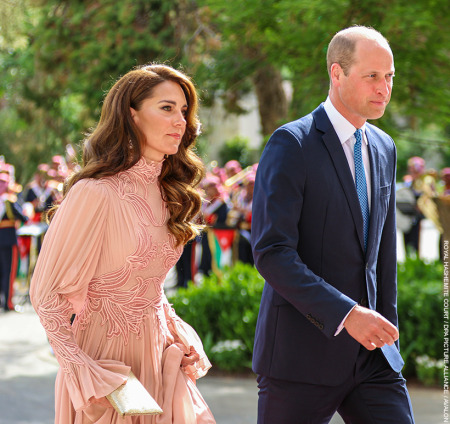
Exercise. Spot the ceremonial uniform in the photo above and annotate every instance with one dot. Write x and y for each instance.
(10, 212)
(42, 199)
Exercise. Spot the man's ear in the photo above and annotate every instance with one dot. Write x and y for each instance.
(336, 73)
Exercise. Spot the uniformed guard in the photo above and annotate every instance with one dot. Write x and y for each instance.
(10, 213)
(40, 193)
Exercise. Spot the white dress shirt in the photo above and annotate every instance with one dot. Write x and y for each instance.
(345, 131)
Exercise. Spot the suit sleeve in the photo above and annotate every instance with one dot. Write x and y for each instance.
(279, 194)
(387, 259)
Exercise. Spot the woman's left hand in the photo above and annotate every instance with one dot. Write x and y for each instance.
(190, 358)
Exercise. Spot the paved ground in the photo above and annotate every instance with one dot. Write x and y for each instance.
(27, 372)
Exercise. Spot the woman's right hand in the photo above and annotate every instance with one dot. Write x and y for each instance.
(102, 402)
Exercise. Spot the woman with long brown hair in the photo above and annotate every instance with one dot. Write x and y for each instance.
(121, 226)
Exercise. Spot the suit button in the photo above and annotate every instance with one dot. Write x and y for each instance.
(363, 302)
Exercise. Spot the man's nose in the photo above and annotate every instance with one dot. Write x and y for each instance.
(384, 87)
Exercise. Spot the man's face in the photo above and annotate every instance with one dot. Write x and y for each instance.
(365, 92)
(211, 191)
(416, 169)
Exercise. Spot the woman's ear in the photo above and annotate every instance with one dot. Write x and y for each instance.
(133, 114)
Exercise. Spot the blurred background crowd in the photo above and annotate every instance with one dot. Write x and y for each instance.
(227, 210)
(58, 58)
(422, 193)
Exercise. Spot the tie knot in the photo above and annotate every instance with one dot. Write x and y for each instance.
(358, 135)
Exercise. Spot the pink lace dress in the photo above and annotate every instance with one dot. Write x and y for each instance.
(105, 258)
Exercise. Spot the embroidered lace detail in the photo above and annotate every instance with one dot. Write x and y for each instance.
(141, 174)
(54, 315)
(149, 171)
(171, 252)
(126, 185)
(124, 309)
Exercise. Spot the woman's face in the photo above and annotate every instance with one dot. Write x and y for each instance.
(162, 120)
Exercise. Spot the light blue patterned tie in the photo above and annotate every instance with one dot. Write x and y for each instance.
(361, 184)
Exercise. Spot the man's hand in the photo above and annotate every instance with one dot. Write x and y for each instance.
(370, 328)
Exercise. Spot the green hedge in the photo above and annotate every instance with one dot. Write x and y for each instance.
(420, 313)
(224, 313)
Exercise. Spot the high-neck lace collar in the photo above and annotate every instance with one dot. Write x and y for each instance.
(149, 170)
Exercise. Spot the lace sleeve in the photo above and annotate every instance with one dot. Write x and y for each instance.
(66, 264)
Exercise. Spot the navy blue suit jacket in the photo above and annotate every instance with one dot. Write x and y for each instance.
(307, 240)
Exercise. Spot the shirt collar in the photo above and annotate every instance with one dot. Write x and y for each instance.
(343, 128)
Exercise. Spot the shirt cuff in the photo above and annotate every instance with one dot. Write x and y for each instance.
(341, 325)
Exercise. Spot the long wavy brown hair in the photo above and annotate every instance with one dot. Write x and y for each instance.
(106, 149)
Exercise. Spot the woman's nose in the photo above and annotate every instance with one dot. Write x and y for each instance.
(180, 119)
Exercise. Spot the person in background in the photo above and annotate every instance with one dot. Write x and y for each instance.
(217, 204)
(240, 217)
(185, 269)
(442, 202)
(414, 182)
(215, 209)
(40, 193)
(230, 170)
(10, 214)
(445, 177)
(121, 227)
(324, 239)
(58, 171)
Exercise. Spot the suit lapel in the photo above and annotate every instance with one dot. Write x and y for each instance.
(375, 186)
(334, 147)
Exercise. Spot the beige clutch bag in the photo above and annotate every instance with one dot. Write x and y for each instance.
(132, 398)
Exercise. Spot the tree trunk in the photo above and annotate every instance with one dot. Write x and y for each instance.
(271, 98)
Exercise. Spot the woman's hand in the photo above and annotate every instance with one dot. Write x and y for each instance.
(102, 402)
(190, 358)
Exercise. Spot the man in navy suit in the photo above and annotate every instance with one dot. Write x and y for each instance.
(326, 338)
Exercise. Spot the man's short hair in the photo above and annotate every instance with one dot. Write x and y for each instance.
(342, 46)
